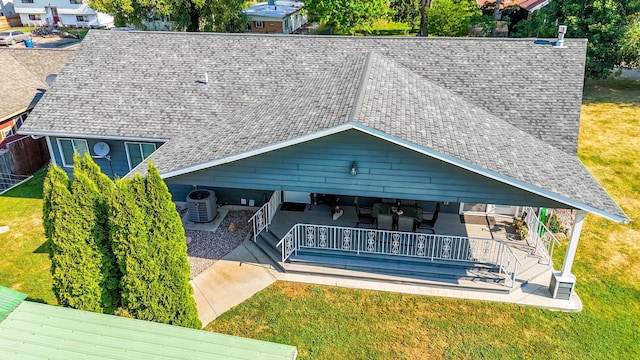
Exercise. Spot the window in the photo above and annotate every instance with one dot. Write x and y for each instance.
(258, 24)
(27, 2)
(20, 121)
(68, 147)
(5, 133)
(34, 16)
(75, 1)
(136, 152)
(81, 18)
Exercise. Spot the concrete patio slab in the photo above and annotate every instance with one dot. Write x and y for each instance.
(228, 282)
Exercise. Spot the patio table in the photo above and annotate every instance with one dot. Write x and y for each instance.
(383, 208)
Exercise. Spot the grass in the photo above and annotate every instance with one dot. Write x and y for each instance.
(330, 323)
(25, 261)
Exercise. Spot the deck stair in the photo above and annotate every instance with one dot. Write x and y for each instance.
(379, 267)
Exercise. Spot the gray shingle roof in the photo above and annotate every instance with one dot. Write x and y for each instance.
(378, 93)
(23, 73)
(505, 107)
(141, 84)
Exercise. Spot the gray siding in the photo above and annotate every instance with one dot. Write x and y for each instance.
(384, 170)
(117, 152)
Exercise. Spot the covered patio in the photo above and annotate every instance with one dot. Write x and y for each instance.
(469, 255)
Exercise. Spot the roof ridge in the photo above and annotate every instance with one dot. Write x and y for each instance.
(357, 104)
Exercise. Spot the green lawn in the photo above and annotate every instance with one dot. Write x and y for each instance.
(25, 261)
(334, 323)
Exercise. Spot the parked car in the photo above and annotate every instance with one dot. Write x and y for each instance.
(12, 37)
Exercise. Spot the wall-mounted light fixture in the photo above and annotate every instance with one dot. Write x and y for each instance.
(354, 169)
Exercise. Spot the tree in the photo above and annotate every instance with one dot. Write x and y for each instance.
(167, 241)
(347, 16)
(630, 47)
(95, 209)
(75, 263)
(452, 17)
(190, 15)
(602, 22)
(128, 232)
(407, 12)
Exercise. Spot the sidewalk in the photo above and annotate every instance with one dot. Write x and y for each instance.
(246, 270)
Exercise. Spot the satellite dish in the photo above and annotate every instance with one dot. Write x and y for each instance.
(50, 79)
(101, 149)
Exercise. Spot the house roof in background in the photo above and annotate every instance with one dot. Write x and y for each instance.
(529, 5)
(280, 10)
(375, 94)
(149, 82)
(23, 73)
(38, 331)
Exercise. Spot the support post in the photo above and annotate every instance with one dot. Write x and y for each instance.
(563, 282)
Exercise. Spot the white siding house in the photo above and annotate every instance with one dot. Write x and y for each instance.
(75, 13)
(282, 17)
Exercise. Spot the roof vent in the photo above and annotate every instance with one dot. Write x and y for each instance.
(562, 29)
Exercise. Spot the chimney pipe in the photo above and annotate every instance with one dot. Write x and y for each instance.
(206, 78)
(562, 29)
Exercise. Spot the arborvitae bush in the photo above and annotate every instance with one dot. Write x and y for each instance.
(131, 247)
(145, 240)
(168, 242)
(74, 263)
(104, 189)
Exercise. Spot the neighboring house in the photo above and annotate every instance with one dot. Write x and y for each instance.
(276, 17)
(22, 83)
(367, 117)
(527, 5)
(74, 13)
(6, 7)
(31, 330)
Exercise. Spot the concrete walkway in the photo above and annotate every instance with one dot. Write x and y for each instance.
(246, 270)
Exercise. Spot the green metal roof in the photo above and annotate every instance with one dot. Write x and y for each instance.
(36, 331)
(9, 299)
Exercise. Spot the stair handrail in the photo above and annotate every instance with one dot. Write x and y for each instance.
(263, 217)
(536, 227)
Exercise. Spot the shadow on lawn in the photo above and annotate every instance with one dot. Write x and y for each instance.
(43, 248)
(613, 91)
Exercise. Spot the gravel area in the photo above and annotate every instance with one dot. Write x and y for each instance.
(206, 247)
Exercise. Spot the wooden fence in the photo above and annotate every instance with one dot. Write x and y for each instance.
(24, 156)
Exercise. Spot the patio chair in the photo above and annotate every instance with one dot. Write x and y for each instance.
(361, 210)
(406, 223)
(385, 222)
(429, 224)
(364, 214)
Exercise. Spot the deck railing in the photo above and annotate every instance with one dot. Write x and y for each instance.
(425, 246)
(263, 217)
(539, 236)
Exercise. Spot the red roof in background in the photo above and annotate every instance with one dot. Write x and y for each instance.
(529, 5)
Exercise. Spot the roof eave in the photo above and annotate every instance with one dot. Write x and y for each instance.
(406, 144)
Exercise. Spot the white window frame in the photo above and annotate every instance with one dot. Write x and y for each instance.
(6, 133)
(82, 18)
(259, 24)
(64, 163)
(126, 148)
(34, 17)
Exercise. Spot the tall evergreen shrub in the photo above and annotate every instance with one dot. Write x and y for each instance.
(101, 191)
(75, 265)
(168, 245)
